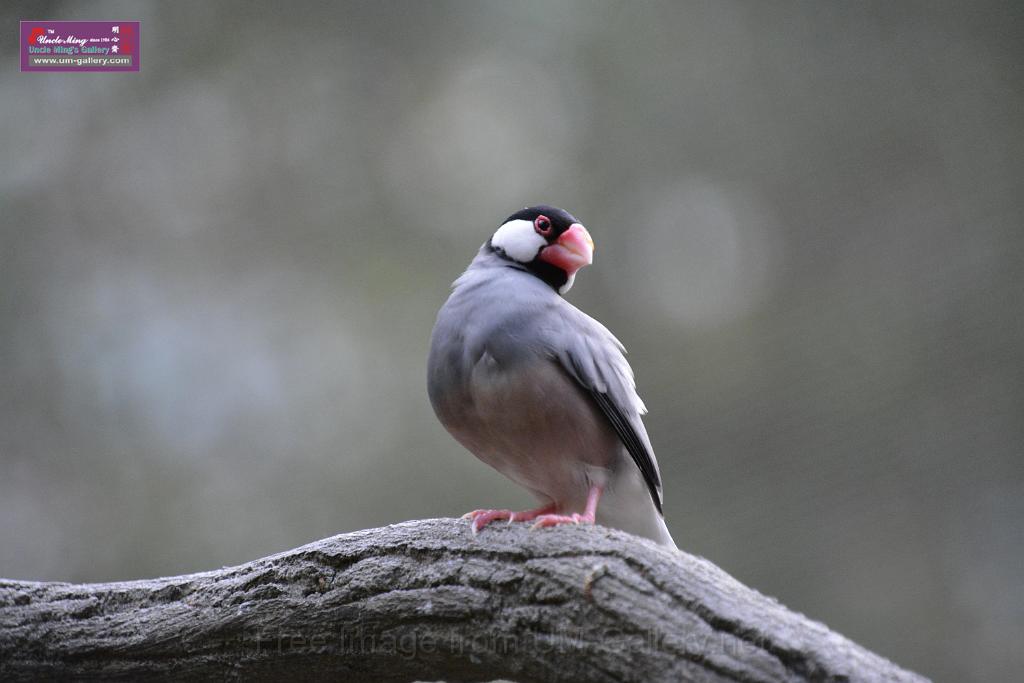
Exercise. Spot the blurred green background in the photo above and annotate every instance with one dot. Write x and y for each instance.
(218, 278)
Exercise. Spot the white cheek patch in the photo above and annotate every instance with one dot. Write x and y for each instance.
(518, 240)
(568, 284)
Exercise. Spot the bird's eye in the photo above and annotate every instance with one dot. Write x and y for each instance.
(542, 224)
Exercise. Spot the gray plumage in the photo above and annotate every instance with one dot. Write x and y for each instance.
(543, 393)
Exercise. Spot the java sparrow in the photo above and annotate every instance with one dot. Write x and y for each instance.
(538, 389)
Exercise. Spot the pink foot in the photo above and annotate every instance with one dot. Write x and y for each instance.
(575, 518)
(555, 520)
(482, 518)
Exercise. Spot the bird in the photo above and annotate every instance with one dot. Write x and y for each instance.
(538, 389)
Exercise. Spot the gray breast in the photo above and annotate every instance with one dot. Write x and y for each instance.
(511, 403)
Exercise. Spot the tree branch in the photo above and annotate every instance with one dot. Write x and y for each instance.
(427, 600)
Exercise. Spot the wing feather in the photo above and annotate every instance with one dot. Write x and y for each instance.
(596, 360)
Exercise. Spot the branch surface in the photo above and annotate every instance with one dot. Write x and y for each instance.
(427, 600)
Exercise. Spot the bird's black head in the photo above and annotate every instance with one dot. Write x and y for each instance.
(549, 242)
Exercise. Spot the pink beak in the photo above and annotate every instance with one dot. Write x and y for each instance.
(573, 250)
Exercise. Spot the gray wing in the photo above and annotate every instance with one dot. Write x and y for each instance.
(596, 359)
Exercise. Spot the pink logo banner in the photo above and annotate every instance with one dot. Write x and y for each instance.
(80, 46)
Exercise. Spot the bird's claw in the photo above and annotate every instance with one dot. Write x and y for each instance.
(556, 520)
(482, 518)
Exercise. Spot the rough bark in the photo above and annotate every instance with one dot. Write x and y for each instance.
(427, 600)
